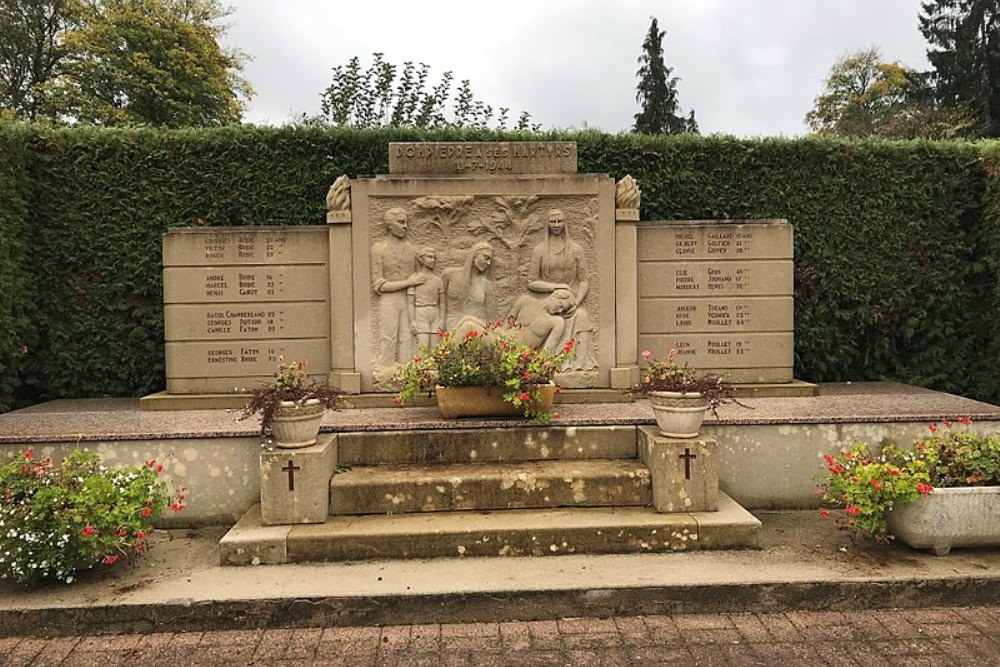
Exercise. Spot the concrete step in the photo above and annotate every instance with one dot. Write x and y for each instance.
(538, 532)
(490, 486)
(458, 445)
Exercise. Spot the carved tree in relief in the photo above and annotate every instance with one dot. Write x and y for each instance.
(513, 222)
(443, 212)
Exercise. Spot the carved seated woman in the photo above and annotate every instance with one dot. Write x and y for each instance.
(558, 263)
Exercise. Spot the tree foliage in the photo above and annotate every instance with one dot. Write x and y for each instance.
(865, 96)
(656, 91)
(29, 51)
(385, 95)
(119, 62)
(964, 36)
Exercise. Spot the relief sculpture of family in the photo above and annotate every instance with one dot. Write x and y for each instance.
(414, 302)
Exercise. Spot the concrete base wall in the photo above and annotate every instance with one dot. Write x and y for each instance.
(222, 475)
(763, 466)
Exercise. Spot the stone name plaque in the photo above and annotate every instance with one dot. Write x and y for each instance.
(720, 293)
(222, 246)
(237, 299)
(249, 284)
(226, 321)
(479, 158)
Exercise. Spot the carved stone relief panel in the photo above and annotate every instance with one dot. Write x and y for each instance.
(439, 260)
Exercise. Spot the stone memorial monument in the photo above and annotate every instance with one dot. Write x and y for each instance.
(459, 234)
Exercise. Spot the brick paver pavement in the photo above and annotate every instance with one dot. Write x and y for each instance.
(941, 636)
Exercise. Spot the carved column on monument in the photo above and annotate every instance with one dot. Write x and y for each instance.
(343, 373)
(626, 370)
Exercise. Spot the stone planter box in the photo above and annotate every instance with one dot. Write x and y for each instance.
(946, 518)
(454, 402)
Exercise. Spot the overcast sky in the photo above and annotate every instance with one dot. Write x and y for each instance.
(747, 67)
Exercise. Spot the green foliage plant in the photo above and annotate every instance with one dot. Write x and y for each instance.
(487, 356)
(56, 520)
(667, 375)
(291, 384)
(860, 487)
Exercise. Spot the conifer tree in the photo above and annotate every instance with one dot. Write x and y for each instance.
(656, 91)
(964, 36)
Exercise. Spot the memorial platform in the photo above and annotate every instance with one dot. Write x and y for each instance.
(769, 452)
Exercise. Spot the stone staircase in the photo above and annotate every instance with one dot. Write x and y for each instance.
(482, 492)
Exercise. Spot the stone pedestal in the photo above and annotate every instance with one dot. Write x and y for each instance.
(684, 472)
(295, 483)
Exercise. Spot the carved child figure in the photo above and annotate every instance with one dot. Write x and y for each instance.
(426, 301)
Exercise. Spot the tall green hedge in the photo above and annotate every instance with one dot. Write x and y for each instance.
(17, 336)
(896, 245)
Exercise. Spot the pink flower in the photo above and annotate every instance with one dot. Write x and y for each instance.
(824, 514)
(932, 427)
(672, 354)
(646, 354)
(924, 489)
(569, 346)
(853, 510)
(947, 424)
(524, 396)
(828, 459)
(110, 560)
(964, 420)
(28, 454)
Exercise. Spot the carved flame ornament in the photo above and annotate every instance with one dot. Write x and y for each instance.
(627, 193)
(338, 198)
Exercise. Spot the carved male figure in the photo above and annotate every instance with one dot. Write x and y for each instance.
(394, 270)
(558, 262)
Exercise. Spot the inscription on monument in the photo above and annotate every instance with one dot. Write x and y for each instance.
(474, 158)
(237, 299)
(720, 294)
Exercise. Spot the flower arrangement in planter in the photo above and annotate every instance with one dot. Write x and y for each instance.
(680, 396)
(488, 357)
(54, 521)
(291, 407)
(942, 492)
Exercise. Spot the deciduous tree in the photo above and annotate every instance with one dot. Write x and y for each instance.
(29, 51)
(865, 96)
(387, 95)
(155, 62)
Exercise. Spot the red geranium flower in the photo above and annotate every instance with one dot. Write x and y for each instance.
(853, 510)
(88, 531)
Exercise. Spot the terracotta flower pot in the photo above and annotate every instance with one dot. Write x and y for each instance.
(295, 425)
(678, 414)
(454, 402)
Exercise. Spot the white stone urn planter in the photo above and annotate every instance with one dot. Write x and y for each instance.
(946, 518)
(297, 425)
(678, 414)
